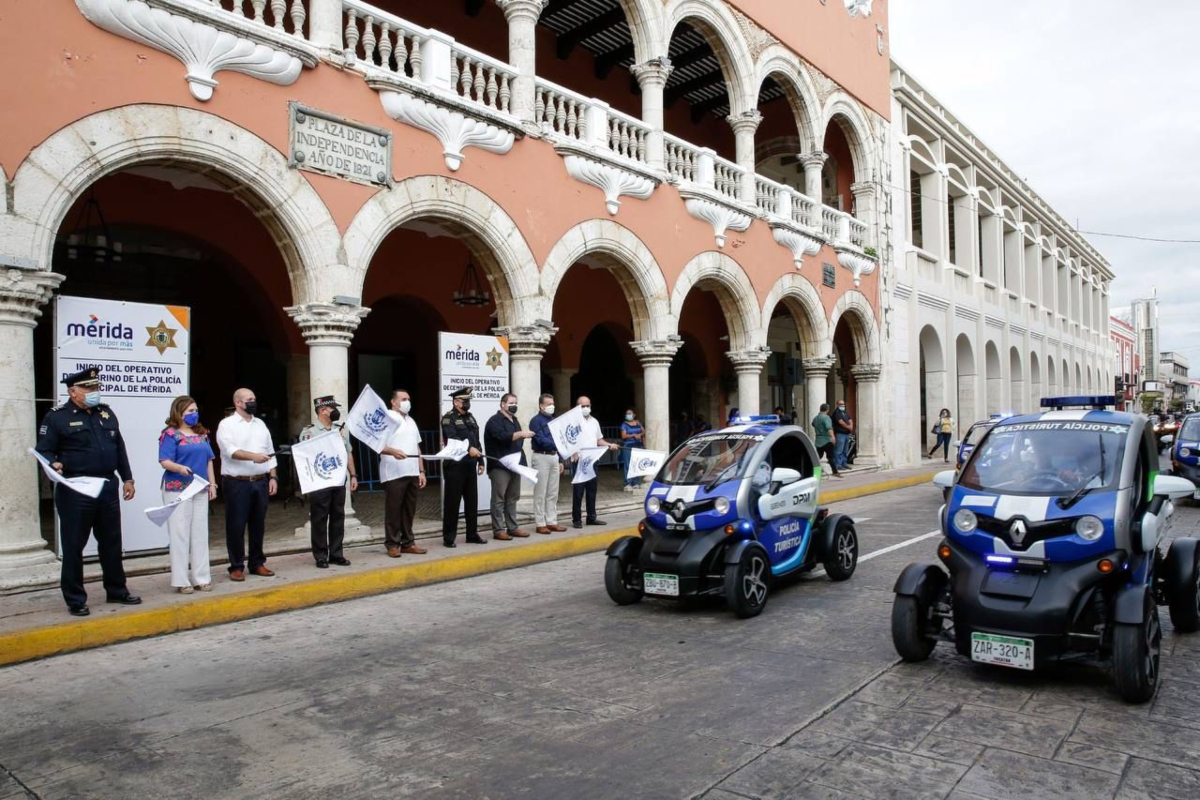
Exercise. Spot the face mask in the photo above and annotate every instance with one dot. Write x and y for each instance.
(549, 410)
(466, 406)
(587, 410)
(405, 406)
(251, 407)
(335, 415)
(191, 418)
(512, 409)
(629, 417)
(91, 399)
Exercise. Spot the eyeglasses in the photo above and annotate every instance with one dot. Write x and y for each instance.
(585, 406)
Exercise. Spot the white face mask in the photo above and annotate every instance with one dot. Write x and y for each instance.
(405, 406)
(549, 410)
(587, 410)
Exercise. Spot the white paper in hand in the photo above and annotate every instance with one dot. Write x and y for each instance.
(84, 485)
(369, 421)
(320, 462)
(160, 514)
(644, 463)
(455, 450)
(513, 462)
(585, 467)
(566, 430)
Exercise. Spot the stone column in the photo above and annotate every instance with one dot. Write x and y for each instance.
(526, 346)
(813, 163)
(561, 380)
(652, 76)
(748, 365)
(744, 125)
(24, 558)
(522, 16)
(328, 330)
(864, 209)
(656, 357)
(325, 25)
(816, 385)
(866, 424)
(299, 403)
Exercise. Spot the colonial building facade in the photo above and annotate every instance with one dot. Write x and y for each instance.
(1126, 362)
(674, 205)
(991, 300)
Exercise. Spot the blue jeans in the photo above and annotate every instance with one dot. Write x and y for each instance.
(841, 450)
(623, 460)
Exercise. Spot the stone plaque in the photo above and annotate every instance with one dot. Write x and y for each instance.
(328, 144)
(829, 275)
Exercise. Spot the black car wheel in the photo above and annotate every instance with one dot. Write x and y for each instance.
(1184, 597)
(1136, 652)
(840, 563)
(615, 583)
(748, 583)
(912, 633)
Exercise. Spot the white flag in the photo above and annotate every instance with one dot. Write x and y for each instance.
(320, 462)
(566, 430)
(369, 421)
(585, 467)
(160, 514)
(513, 463)
(455, 450)
(644, 463)
(84, 485)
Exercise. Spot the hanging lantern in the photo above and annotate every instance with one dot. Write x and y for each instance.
(91, 239)
(470, 289)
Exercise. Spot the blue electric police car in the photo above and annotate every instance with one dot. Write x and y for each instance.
(1052, 549)
(1185, 452)
(730, 511)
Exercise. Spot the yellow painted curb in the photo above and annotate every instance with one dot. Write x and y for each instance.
(841, 495)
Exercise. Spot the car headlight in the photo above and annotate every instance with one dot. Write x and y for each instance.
(1089, 528)
(653, 505)
(965, 520)
(721, 505)
(1184, 452)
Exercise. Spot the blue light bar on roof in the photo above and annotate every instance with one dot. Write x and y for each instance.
(1080, 401)
(764, 419)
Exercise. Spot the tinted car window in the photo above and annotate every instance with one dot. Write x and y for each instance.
(1048, 458)
(709, 459)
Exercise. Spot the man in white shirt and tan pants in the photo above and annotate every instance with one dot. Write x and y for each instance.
(248, 482)
(402, 473)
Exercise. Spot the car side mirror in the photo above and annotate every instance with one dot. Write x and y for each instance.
(783, 476)
(944, 479)
(1168, 439)
(958, 444)
(1173, 487)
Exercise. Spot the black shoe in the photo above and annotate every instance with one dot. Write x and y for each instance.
(596, 522)
(576, 524)
(127, 600)
(340, 561)
(449, 544)
(79, 611)
(322, 564)
(476, 541)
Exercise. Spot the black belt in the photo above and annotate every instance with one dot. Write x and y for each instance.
(263, 476)
(546, 452)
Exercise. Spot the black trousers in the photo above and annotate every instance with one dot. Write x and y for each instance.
(578, 491)
(459, 478)
(80, 515)
(327, 522)
(245, 507)
(399, 509)
(829, 450)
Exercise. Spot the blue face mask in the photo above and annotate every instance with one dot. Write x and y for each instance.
(191, 418)
(91, 399)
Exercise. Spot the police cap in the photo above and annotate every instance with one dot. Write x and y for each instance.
(327, 400)
(461, 394)
(85, 378)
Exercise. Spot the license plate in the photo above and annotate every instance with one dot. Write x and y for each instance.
(658, 583)
(1004, 651)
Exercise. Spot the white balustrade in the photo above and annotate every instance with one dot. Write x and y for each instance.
(285, 16)
(627, 136)
(681, 158)
(829, 222)
(804, 210)
(560, 111)
(766, 195)
(481, 79)
(373, 36)
(727, 178)
(858, 232)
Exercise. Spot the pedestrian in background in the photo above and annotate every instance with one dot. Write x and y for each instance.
(632, 435)
(327, 507)
(589, 436)
(402, 473)
(549, 468)
(843, 426)
(248, 481)
(185, 452)
(502, 437)
(944, 430)
(825, 437)
(458, 477)
(734, 413)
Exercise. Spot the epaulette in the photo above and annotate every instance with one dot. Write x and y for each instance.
(59, 407)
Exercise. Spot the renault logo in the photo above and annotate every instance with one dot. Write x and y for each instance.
(1017, 531)
(680, 510)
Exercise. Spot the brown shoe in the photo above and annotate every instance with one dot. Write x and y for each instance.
(556, 528)
(237, 575)
(393, 551)
(502, 536)
(412, 549)
(517, 532)
(542, 529)
(262, 571)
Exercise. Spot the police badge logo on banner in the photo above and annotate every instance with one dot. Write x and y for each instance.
(320, 462)
(369, 421)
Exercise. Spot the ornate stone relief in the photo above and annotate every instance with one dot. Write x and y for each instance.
(800, 244)
(455, 130)
(722, 217)
(612, 180)
(756, 37)
(858, 264)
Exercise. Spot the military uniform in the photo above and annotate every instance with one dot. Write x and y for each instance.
(459, 477)
(87, 441)
(327, 507)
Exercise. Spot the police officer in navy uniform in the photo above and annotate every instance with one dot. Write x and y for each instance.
(81, 438)
(459, 477)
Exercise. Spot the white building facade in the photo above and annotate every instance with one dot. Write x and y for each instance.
(991, 300)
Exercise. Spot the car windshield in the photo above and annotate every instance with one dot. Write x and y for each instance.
(977, 432)
(709, 459)
(1191, 429)
(1048, 458)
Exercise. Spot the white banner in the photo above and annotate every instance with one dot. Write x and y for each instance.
(160, 514)
(585, 467)
(369, 422)
(644, 463)
(455, 450)
(480, 362)
(92, 487)
(142, 352)
(320, 462)
(566, 429)
(513, 463)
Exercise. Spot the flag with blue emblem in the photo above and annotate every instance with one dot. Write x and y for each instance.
(320, 462)
(644, 463)
(566, 430)
(369, 421)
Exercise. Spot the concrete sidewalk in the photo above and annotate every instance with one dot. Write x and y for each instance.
(35, 624)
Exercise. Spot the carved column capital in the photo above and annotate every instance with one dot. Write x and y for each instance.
(862, 188)
(814, 159)
(327, 323)
(23, 292)
(866, 373)
(656, 353)
(526, 342)
(748, 361)
(745, 122)
(656, 71)
(818, 367)
(517, 9)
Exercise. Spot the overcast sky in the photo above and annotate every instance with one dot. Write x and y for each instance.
(1096, 105)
